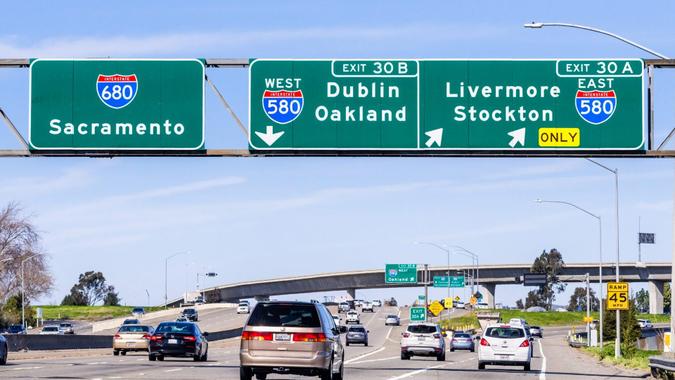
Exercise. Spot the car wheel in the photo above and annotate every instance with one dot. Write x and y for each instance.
(206, 356)
(115, 352)
(404, 356)
(261, 376)
(441, 357)
(245, 373)
(473, 349)
(452, 349)
(347, 343)
(327, 374)
(152, 358)
(365, 343)
(123, 353)
(481, 365)
(526, 367)
(160, 358)
(3, 359)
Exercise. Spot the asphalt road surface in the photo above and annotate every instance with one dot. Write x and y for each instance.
(381, 360)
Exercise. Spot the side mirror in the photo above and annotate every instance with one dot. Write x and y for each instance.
(531, 339)
(367, 331)
(476, 338)
(342, 329)
(444, 334)
(205, 333)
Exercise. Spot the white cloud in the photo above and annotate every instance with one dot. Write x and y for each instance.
(178, 43)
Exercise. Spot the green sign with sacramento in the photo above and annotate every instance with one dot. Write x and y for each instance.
(113, 104)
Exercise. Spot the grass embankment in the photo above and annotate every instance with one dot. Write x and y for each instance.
(639, 360)
(570, 318)
(467, 322)
(89, 313)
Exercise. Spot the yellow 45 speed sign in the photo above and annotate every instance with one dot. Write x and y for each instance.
(617, 296)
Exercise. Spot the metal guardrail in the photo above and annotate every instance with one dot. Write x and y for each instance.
(663, 366)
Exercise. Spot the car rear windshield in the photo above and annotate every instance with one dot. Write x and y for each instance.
(179, 328)
(50, 328)
(285, 315)
(137, 309)
(391, 316)
(462, 336)
(505, 332)
(357, 329)
(421, 329)
(131, 328)
(243, 304)
(189, 311)
(66, 325)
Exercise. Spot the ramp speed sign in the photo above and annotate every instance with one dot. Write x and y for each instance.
(617, 296)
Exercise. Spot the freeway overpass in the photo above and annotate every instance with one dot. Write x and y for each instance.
(490, 276)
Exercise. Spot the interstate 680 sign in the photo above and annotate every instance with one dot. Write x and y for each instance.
(112, 104)
(529, 105)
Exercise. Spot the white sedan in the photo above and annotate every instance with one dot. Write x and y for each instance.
(505, 345)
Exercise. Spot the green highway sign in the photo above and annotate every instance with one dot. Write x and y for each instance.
(400, 273)
(446, 105)
(418, 314)
(116, 104)
(421, 297)
(454, 281)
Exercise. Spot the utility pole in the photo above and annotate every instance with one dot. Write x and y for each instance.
(588, 310)
(426, 290)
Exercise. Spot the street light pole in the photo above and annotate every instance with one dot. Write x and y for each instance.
(600, 253)
(23, 293)
(166, 280)
(617, 344)
(444, 249)
(539, 25)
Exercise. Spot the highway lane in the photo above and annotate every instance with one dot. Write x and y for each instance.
(381, 360)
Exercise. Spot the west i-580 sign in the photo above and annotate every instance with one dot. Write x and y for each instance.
(112, 104)
(437, 105)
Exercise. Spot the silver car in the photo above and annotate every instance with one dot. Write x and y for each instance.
(392, 320)
(357, 334)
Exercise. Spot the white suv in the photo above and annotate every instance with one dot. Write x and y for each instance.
(422, 339)
(367, 306)
(353, 317)
(243, 308)
(505, 345)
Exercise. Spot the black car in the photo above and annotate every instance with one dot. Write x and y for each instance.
(4, 350)
(191, 315)
(178, 339)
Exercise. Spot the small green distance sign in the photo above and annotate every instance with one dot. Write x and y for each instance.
(448, 282)
(446, 104)
(116, 104)
(418, 314)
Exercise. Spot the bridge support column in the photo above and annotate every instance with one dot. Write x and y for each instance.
(656, 297)
(351, 294)
(488, 291)
(262, 298)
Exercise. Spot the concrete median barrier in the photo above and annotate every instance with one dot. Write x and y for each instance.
(19, 342)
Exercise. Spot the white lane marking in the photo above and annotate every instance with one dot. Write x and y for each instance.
(20, 368)
(174, 370)
(364, 355)
(542, 373)
(377, 360)
(409, 374)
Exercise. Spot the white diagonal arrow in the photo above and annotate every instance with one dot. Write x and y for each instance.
(518, 137)
(435, 136)
(269, 137)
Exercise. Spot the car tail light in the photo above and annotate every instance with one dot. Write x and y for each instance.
(189, 338)
(256, 335)
(146, 336)
(117, 336)
(437, 336)
(157, 337)
(484, 342)
(406, 335)
(309, 337)
(526, 343)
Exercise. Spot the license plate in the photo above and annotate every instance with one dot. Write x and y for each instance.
(504, 357)
(173, 341)
(282, 337)
(129, 344)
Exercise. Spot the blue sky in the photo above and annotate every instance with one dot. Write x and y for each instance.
(257, 218)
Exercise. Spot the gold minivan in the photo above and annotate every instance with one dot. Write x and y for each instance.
(298, 338)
